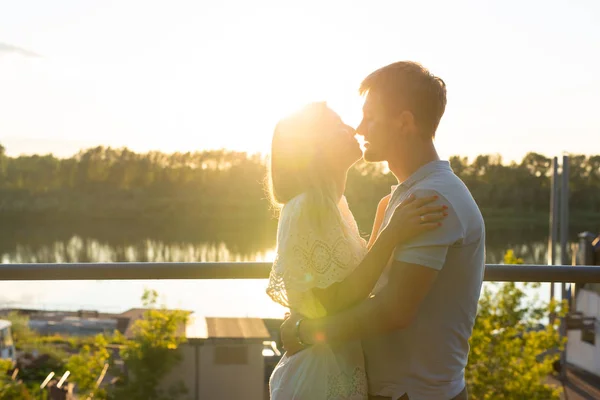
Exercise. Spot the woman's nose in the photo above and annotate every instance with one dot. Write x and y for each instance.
(360, 129)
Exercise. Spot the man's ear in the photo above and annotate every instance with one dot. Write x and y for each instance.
(404, 120)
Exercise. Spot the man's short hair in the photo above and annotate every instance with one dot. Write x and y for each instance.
(407, 85)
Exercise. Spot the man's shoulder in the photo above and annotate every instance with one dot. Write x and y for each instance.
(441, 178)
(446, 184)
(454, 191)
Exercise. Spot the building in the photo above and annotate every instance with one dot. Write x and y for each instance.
(7, 347)
(273, 350)
(79, 323)
(223, 359)
(583, 322)
(583, 345)
(72, 323)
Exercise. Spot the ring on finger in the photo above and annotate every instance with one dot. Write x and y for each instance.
(423, 218)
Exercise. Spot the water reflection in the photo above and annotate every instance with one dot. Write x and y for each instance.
(89, 249)
(80, 249)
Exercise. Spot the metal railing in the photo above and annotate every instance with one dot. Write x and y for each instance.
(257, 270)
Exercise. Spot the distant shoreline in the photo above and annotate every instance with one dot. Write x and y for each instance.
(537, 218)
(493, 218)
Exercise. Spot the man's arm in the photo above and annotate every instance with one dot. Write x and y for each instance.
(392, 309)
(413, 273)
(405, 224)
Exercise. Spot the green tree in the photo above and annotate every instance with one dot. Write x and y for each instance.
(15, 389)
(3, 161)
(51, 359)
(87, 365)
(512, 354)
(151, 353)
(21, 333)
(227, 185)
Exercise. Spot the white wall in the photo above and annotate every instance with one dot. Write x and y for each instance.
(232, 381)
(183, 372)
(580, 353)
(220, 382)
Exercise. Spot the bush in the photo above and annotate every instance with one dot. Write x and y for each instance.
(151, 354)
(87, 366)
(512, 353)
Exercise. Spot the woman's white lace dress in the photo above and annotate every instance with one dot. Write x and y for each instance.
(312, 256)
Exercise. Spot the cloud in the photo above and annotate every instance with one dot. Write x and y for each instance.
(7, 48)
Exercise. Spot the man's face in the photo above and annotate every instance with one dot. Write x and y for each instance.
(377, 130)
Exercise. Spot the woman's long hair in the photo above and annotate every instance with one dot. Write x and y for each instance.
(297, 163)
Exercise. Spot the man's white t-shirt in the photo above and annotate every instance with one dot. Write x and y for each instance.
(427, 360)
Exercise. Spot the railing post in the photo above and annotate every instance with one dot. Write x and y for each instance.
(564, 211)
(583, 256)
(585, 253)
(553, 236)
(564, 236)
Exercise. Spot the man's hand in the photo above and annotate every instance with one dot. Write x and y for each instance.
(288, 334)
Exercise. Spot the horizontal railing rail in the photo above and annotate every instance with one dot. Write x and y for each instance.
(256, 270)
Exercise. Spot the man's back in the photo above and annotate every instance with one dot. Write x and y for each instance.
(427, 359)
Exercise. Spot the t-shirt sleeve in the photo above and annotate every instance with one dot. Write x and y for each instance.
(430, 249)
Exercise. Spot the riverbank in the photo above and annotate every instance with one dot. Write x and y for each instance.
(537, 218)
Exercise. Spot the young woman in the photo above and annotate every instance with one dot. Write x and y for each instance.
(323, 265)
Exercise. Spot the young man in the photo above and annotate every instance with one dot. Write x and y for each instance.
(416, 327)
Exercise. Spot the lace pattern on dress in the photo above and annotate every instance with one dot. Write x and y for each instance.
(344, 386)
(313, 257)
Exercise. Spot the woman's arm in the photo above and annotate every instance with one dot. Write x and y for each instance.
(404, 225)
(383, 203)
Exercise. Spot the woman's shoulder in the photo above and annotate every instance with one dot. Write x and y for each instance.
(299, 199)
(310, 208)
(307, 201)
(296, 204)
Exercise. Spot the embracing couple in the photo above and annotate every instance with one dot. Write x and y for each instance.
(391, 318)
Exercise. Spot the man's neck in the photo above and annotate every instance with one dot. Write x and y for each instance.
(406, 162)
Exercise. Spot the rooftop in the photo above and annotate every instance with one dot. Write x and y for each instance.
(227, 328)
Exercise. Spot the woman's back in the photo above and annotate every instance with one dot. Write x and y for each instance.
(315, 249)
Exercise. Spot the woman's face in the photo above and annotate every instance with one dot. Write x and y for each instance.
(337, 142)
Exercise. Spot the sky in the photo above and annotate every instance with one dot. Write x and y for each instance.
(193, 75)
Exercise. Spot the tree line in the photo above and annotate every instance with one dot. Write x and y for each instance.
(221, 185)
